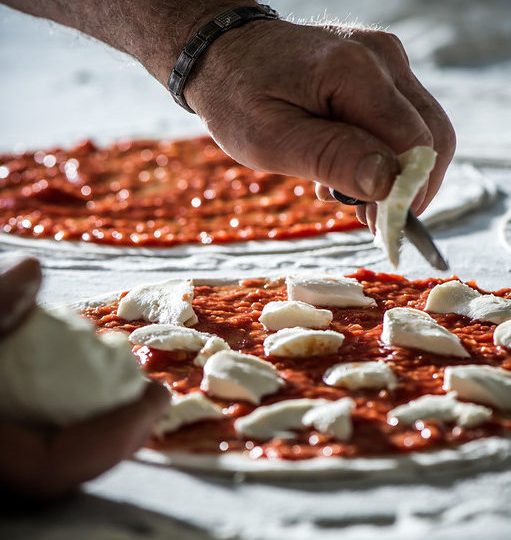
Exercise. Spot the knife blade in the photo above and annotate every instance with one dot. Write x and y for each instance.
(419, 236)
(414, 230)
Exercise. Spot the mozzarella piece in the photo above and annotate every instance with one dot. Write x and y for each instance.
(445, 408)
(276, 420)
(187, 409)
(167, 303)
(502, 335)
(483, 384)
(356, 375)
(302, 342)
(416, 165)
(333, 418)
(55, 369)
(233, 375)
(408, 327)
(169, 337)
(328, 291)
(286, 314)
(457, 297)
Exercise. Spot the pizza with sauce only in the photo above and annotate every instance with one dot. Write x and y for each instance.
(365, 375)
(157, 194)
(149, 197)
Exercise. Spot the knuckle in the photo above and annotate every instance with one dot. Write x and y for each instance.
(391, 41)
(360, 55)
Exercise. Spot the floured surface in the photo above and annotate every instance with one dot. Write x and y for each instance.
(134, 498)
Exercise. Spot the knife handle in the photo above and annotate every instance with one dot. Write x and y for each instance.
(345, 199)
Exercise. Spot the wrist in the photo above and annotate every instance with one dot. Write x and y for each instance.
(222, 70)
(159, 54)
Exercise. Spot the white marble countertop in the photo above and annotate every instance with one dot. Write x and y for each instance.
(58, 88)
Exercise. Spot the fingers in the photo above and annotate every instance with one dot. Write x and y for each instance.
(444, 136)
(20, 279)
(323, 193)
(48, 466)
(370, 100)
(371, 211)
(391, 52)
(361, 213)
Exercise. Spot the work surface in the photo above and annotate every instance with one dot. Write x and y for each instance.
(60, 88)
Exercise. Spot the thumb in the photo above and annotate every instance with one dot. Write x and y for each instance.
(20, 279)
(336, 154)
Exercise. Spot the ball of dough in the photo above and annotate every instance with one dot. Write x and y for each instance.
(55, 369)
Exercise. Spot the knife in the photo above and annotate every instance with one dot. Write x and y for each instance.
(414, 230)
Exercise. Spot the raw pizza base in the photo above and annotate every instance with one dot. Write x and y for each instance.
(464, 190)
(473, 456)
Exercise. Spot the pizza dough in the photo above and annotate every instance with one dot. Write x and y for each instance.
(464, 190)
(472, 456)
(56, 370)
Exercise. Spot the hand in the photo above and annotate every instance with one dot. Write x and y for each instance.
(20, 279)
(49, 463)
(332, 104)
(42, 462)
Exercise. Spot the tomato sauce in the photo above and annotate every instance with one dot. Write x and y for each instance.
(157, 193)
(232, 312)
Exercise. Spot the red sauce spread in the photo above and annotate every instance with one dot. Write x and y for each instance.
(232, 312)
(157, 193)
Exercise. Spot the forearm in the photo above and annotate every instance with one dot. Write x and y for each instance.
(152, 31)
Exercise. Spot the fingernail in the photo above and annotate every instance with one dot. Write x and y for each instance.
(372, 174)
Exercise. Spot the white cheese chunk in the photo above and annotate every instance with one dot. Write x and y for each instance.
(169, 337)
(502, 335)
(445, 408)
(457, 297)
(482, 384)
(333, 418)
(408, 327)
(187, 409)
(355, 375)
(167, 303)
(233, 375)
(328, 291)
(302, 342)
(276, 420)
(286, 314)
(416, 166)
(56, 370)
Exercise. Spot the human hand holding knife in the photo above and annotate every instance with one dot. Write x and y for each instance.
(414, 230)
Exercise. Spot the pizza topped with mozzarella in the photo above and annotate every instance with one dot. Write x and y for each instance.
(299, 368)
